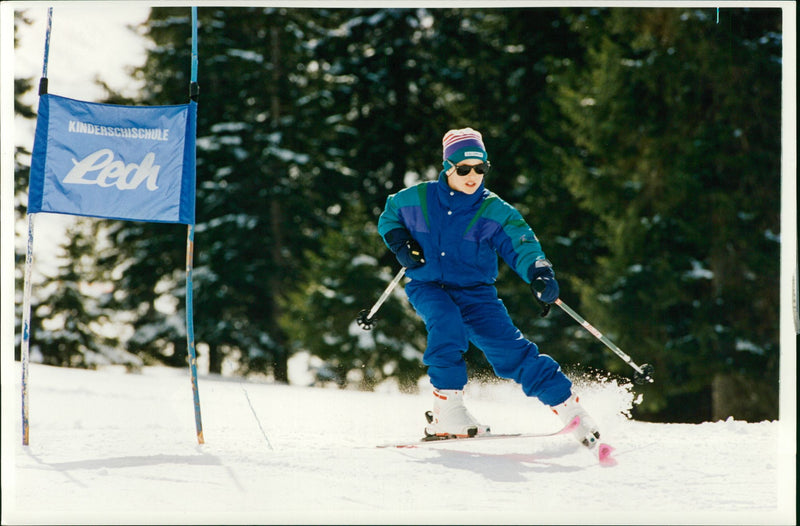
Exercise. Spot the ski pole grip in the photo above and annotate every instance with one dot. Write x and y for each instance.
(537, 286)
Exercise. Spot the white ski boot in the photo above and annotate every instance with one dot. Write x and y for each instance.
(450, 417)
(586, 431)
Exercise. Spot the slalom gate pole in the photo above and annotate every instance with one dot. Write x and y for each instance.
(190, 332)
(364, 319)
(26, 294)
(190, 264)
(26, 332)
(644, 373)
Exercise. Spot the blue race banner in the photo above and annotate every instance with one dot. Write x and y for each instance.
(117, 162)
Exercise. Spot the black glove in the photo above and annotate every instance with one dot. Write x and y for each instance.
(410, 255)
(543, 281)
(407, 250)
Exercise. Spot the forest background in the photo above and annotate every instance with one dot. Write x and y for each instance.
(643, 145)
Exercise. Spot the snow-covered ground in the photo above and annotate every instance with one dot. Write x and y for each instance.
(114, 448)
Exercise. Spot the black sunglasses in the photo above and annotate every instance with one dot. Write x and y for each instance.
(464, 169)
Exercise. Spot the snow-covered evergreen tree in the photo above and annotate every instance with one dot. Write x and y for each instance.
(77, 330)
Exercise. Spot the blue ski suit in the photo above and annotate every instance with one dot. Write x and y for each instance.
(453, 292)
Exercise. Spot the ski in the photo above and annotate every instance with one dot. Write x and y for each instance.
(602, 452)
(437, 439)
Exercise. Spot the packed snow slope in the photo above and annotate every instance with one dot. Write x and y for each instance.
(113, 448)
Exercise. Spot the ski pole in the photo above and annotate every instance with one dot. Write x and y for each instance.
(365, 320)
(644, 373)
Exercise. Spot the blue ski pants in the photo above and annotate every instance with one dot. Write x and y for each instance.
(456, 316)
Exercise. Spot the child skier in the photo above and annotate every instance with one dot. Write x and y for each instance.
(448, 233)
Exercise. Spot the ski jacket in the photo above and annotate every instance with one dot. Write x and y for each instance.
(461, 234)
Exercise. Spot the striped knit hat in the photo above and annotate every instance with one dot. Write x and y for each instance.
(465, 143)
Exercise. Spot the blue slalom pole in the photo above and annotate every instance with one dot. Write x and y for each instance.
(47, 41)
(194, 44)
(190, 333)
(190, 264)
(26, 332)
(26, 288)
(43, 80)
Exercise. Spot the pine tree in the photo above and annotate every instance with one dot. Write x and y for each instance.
(641, 145)
(262, 180)
(676, 125)
(341, 279)
(71, 313)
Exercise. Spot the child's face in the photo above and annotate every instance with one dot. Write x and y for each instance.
(467, 184)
